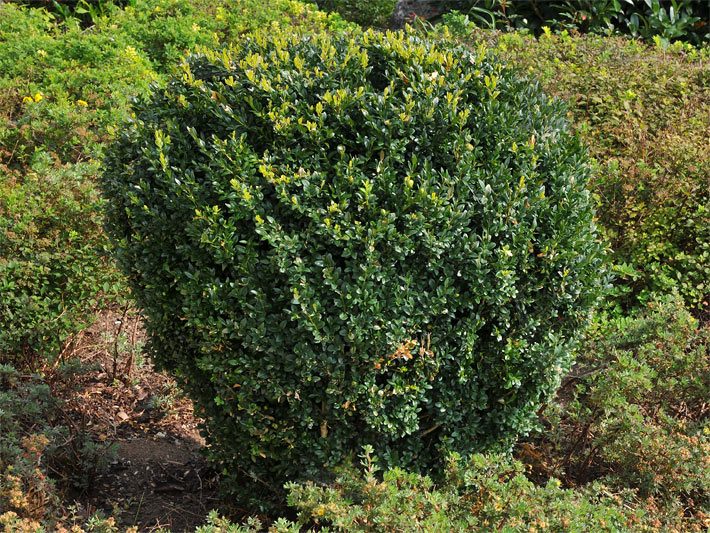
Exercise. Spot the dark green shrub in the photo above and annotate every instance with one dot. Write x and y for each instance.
(343, 241)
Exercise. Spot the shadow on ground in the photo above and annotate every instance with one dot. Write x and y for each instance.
(154, 474)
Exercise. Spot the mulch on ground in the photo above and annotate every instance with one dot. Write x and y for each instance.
(154, 473)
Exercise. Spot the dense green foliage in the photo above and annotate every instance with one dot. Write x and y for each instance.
(644, 113)
(339, 242)
(373, 13)
(64, 85)
(63, 88)
(59, 89)
(51, 259)
(632, 414)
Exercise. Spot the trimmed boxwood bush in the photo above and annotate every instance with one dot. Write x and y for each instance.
(349, 240)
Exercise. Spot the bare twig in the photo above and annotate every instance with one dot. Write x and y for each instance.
(114, 369)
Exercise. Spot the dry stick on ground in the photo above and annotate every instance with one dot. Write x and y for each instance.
(129, 361)
(140, 505)
(122, 321)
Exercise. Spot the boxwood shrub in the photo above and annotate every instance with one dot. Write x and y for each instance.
(349, 240)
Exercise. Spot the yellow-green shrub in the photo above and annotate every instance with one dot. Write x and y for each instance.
(52, 264)
(373, 13)
(634, 410)
(486, 493)
(62, 85)
(644, 113)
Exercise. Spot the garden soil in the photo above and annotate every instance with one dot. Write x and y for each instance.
(152, 473)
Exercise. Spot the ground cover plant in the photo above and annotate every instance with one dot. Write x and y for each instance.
(349, 260)
(483, 493)
(43, 453)
(661, 371)
(633, 413)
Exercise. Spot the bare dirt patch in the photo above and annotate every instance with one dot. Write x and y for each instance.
(154, 475)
